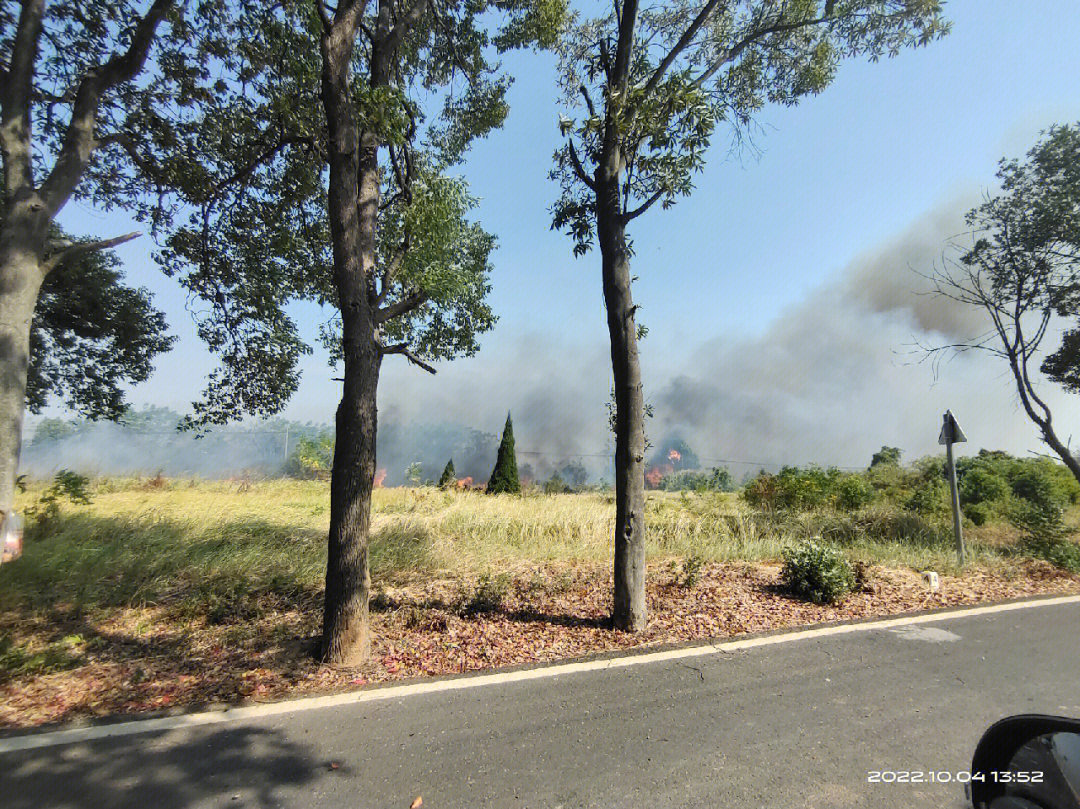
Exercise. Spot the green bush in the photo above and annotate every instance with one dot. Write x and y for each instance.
(793, 488)
(1058, 551)
(978, 513)
(818, 573)
(982, 485)
(853, 492)
(686, 574)
(312, 458)
(930, 497)
(66, 485)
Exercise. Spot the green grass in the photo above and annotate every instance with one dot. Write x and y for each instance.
(213, 545)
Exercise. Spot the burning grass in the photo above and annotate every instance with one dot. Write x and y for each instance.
(182, 593)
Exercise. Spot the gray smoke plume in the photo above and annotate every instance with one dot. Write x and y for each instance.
(839, 374)
(830, 381)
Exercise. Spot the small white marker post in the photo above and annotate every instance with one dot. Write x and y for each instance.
(952, 434)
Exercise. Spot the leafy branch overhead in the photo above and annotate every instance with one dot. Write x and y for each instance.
(693, 66)
(251, 167)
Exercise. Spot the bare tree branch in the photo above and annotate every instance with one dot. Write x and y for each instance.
(82, 248)
(405, 351)
(638, 211)
(401, 307)
(579, 170)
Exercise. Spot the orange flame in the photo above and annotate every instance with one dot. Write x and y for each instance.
(674, 455)
(465, 483)
(380, 476)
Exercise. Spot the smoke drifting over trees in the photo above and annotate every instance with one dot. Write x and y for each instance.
(834, 378)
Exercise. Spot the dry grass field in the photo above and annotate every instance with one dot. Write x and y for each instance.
(162, 593)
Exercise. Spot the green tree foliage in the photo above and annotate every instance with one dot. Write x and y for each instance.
(1023, 270)
(70, 92)
(644, 91)
(448, 478)
(253, 177)
(312, 457)
(504, 477)
(886, 456)
(90, 336)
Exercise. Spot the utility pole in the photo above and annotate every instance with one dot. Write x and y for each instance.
(285, 451)
(952, 434)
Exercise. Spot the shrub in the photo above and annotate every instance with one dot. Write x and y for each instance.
(686, 575)
(312, 458)
(930, 497)
(1058, 551)
(981, 485)
(718, 479)
(978, 513)
(66, 485)
(556, 485)
(853, 492)
(489, 594)
(817, 573)
(1036, 485)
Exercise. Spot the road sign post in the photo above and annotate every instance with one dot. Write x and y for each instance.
(952, 434)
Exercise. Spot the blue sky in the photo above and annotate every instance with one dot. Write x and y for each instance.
(764, 244)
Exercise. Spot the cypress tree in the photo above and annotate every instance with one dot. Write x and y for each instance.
(449, 476)
(504, 478)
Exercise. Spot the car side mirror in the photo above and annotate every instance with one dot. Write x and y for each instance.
(1029, 761)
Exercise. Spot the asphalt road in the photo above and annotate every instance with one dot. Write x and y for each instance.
(796, 724)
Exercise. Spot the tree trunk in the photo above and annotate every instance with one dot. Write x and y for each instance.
(346, 637)
(21, 246)
(1030, 399)
(353, 205)
(630, 610)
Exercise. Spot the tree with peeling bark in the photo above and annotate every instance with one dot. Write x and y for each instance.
(644, 90)
(320, 170)
(1022, 267)
(67, 87)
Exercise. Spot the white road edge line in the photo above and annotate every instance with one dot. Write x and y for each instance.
(73, 735)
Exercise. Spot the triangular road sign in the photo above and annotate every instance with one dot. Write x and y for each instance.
(950, 430)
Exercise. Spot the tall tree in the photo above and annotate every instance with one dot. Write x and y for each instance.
(1022, 268)
(645, 89)
(504, 477)
(67, 87)
(317, 174)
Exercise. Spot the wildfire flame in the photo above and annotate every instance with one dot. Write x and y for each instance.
(465, 483)
(654, 476)
(380, 476)
(674, 455)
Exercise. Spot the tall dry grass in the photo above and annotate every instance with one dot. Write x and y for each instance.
(155, 541)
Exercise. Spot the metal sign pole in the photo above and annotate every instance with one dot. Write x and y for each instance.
(950, 434)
